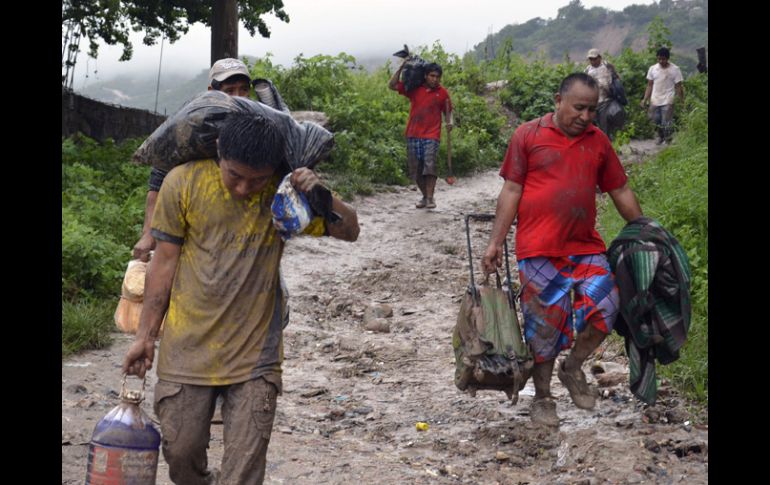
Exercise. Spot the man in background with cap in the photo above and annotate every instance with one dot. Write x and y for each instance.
(227, 75)
(603, 72)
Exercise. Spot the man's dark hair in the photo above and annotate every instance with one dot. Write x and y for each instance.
(235, 77)
(663, 52)
(433, 67)
(251, 139)
(584, 78)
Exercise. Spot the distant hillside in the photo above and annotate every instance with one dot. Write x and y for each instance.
(139, 91)
(577, 29)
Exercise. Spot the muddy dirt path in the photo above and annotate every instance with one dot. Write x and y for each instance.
(352, 396)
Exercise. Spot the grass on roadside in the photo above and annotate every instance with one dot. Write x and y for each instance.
(86, 324)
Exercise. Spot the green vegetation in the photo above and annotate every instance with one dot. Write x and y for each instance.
(86, 324)
(102, 213)
(673, 189)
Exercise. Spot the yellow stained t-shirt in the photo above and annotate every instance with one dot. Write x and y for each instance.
(224, 317)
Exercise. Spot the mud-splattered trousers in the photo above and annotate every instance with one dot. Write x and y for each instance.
(663, 117)
(185, 413)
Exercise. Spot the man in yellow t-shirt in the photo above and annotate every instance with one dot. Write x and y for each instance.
(215, 271)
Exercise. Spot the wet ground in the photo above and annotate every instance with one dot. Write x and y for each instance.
(352, 396)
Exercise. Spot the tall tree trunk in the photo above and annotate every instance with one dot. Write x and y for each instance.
(224, 30)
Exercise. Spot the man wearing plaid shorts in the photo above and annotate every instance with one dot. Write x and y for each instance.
(551, 170)
(423, 130)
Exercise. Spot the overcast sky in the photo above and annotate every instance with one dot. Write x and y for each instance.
(357, 27)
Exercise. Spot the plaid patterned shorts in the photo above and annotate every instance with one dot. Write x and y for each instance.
(421, 156)
(546, 284)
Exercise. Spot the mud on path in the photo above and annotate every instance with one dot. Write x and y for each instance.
(352, 396)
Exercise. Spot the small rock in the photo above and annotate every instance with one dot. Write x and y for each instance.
(337, 412)
(625, 423)
(314, 392)
(501, 456)
(677, 415)
(378, 325)
(379, 311)
(363, 410)
(634, 477)
(85, 403)
(688, 447)
(652, 445)
(651, 415)
(348, 344)
(77, 389)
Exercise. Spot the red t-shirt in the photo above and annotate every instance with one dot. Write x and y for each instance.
(425, 112)
(557, 210)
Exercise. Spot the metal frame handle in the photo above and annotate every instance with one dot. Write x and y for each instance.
(486, 217)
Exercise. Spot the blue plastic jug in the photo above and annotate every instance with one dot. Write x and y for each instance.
(124, 445)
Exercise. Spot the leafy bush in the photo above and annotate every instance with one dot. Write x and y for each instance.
(92, 262)
(531, 87)
(103, 197)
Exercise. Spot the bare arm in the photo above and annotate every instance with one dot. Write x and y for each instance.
(679, 87)
(146, 243)
(625, 202)
(507, 208)
(157, 292)
(394, 78)
(448, 117)
(346, 229)
(647, 94)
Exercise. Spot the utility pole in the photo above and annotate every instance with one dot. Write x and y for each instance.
(224, 30)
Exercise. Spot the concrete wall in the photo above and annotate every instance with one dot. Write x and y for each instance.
(101, 121)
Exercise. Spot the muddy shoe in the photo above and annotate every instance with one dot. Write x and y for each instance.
(422, 203)
(543, 412)
(581, 393)
(431, 204)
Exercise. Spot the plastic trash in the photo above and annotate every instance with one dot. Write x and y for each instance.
(291, 210)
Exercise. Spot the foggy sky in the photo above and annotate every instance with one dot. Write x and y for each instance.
(357, 27)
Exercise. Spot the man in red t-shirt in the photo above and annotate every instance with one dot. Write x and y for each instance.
(423, 130)
(552, 169)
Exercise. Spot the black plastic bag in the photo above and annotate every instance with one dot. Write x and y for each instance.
(413, 74)
(617, 91)
(615, 116)
(191, 133)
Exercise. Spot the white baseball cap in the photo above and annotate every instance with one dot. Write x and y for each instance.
(224, 68)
